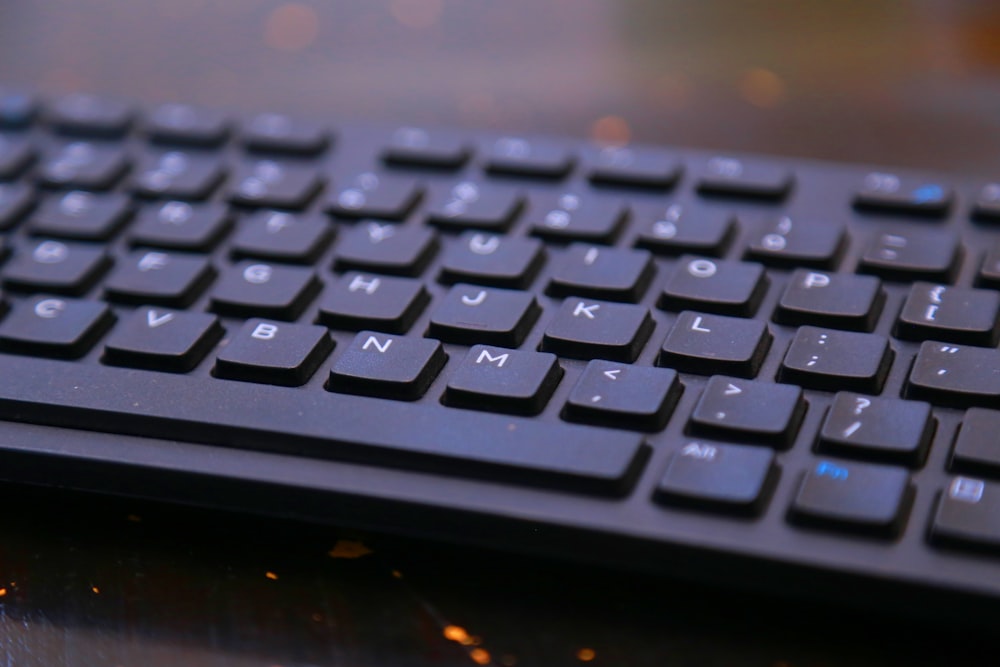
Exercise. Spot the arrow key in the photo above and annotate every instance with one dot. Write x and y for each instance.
(757, 411)
(164, 340)
(623, 396)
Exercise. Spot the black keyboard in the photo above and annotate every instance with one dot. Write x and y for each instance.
(741, 368)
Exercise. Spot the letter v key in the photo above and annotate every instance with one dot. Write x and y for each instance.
(154, 320)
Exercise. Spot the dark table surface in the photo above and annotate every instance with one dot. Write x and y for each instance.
(88, 581)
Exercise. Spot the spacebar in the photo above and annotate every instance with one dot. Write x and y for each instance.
(313, 422)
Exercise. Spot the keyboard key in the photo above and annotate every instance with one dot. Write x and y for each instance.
(183, 124)
(715, 286)
(389, 366)
(470, 314)
(393, 249)
(829, 359)
(273, 184)
(800, 243)
(178, 225)
(947, 374)
(880, 429)
(952, 314)
(552, 455)
(633, 168)
(968, 515)
(976, 448)
(890, 193)
(163, 340)
(503, 380)
(756, 411)
(90, 115)
(733, 177)
(925, 254)
(17, 108)
(614, 274)
(15, 156)
(154, 277)
(265, 290)
(54, 327)
(471, 205)
(81, 215)
(715, 345)
(584, 329)
(514, 156)
(277, 133)
(729, 478)
(359, 301)
(987, 205)
(989, 272)
(496, 261)
(416, 147)
(274, 353)
(282, 237)
(684, 229)
(623, 396)
(16, 200)
(178, 175)
(571, 217)
(56, 267)
(832, 300)
(381, 196)
(85, 165)
(860, 497)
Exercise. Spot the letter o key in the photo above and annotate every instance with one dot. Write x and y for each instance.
(702, 268)
(257, 274)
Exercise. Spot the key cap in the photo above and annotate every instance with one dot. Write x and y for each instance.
(471, 205)
(54, 326)
(987, 205)
(733, 177)
(17, 108)
(737, 479)
(715, 345)
(623, 396)
(890, 193)
(277, 133)
(389, 366)
(85, 165)
(186, 125)
(381, 196)
(989, 272)
(360, 301)
(274, 353)
(495, 261)
(715, 286)
(265, 290)
(946, 374)
(179, 225)
(503, 380)
(830, 359)
(515, 156)
(393, 249)
(271, 184)
(55, 267)
(573, 217)
(162, 340)
(154, 277)
(952, 314)
(614, 274)
(81, 215)
(470, 314)
(90, 115)
(584, 329)
(879, 429)
(15, 156)
(16, 200)
(977, 450)
(968, 515)
(506, 448)
(282, 237)
(925, 254)
(417, 147)
(784, 242)
(630, 167)
(684, 229)
(831, 300)
(756, 411)
(178, 175)
(860, 497)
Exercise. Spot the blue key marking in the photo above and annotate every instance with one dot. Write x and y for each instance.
(927, 193)
(827, 469)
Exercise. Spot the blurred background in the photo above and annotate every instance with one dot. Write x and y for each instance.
(886, 81)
